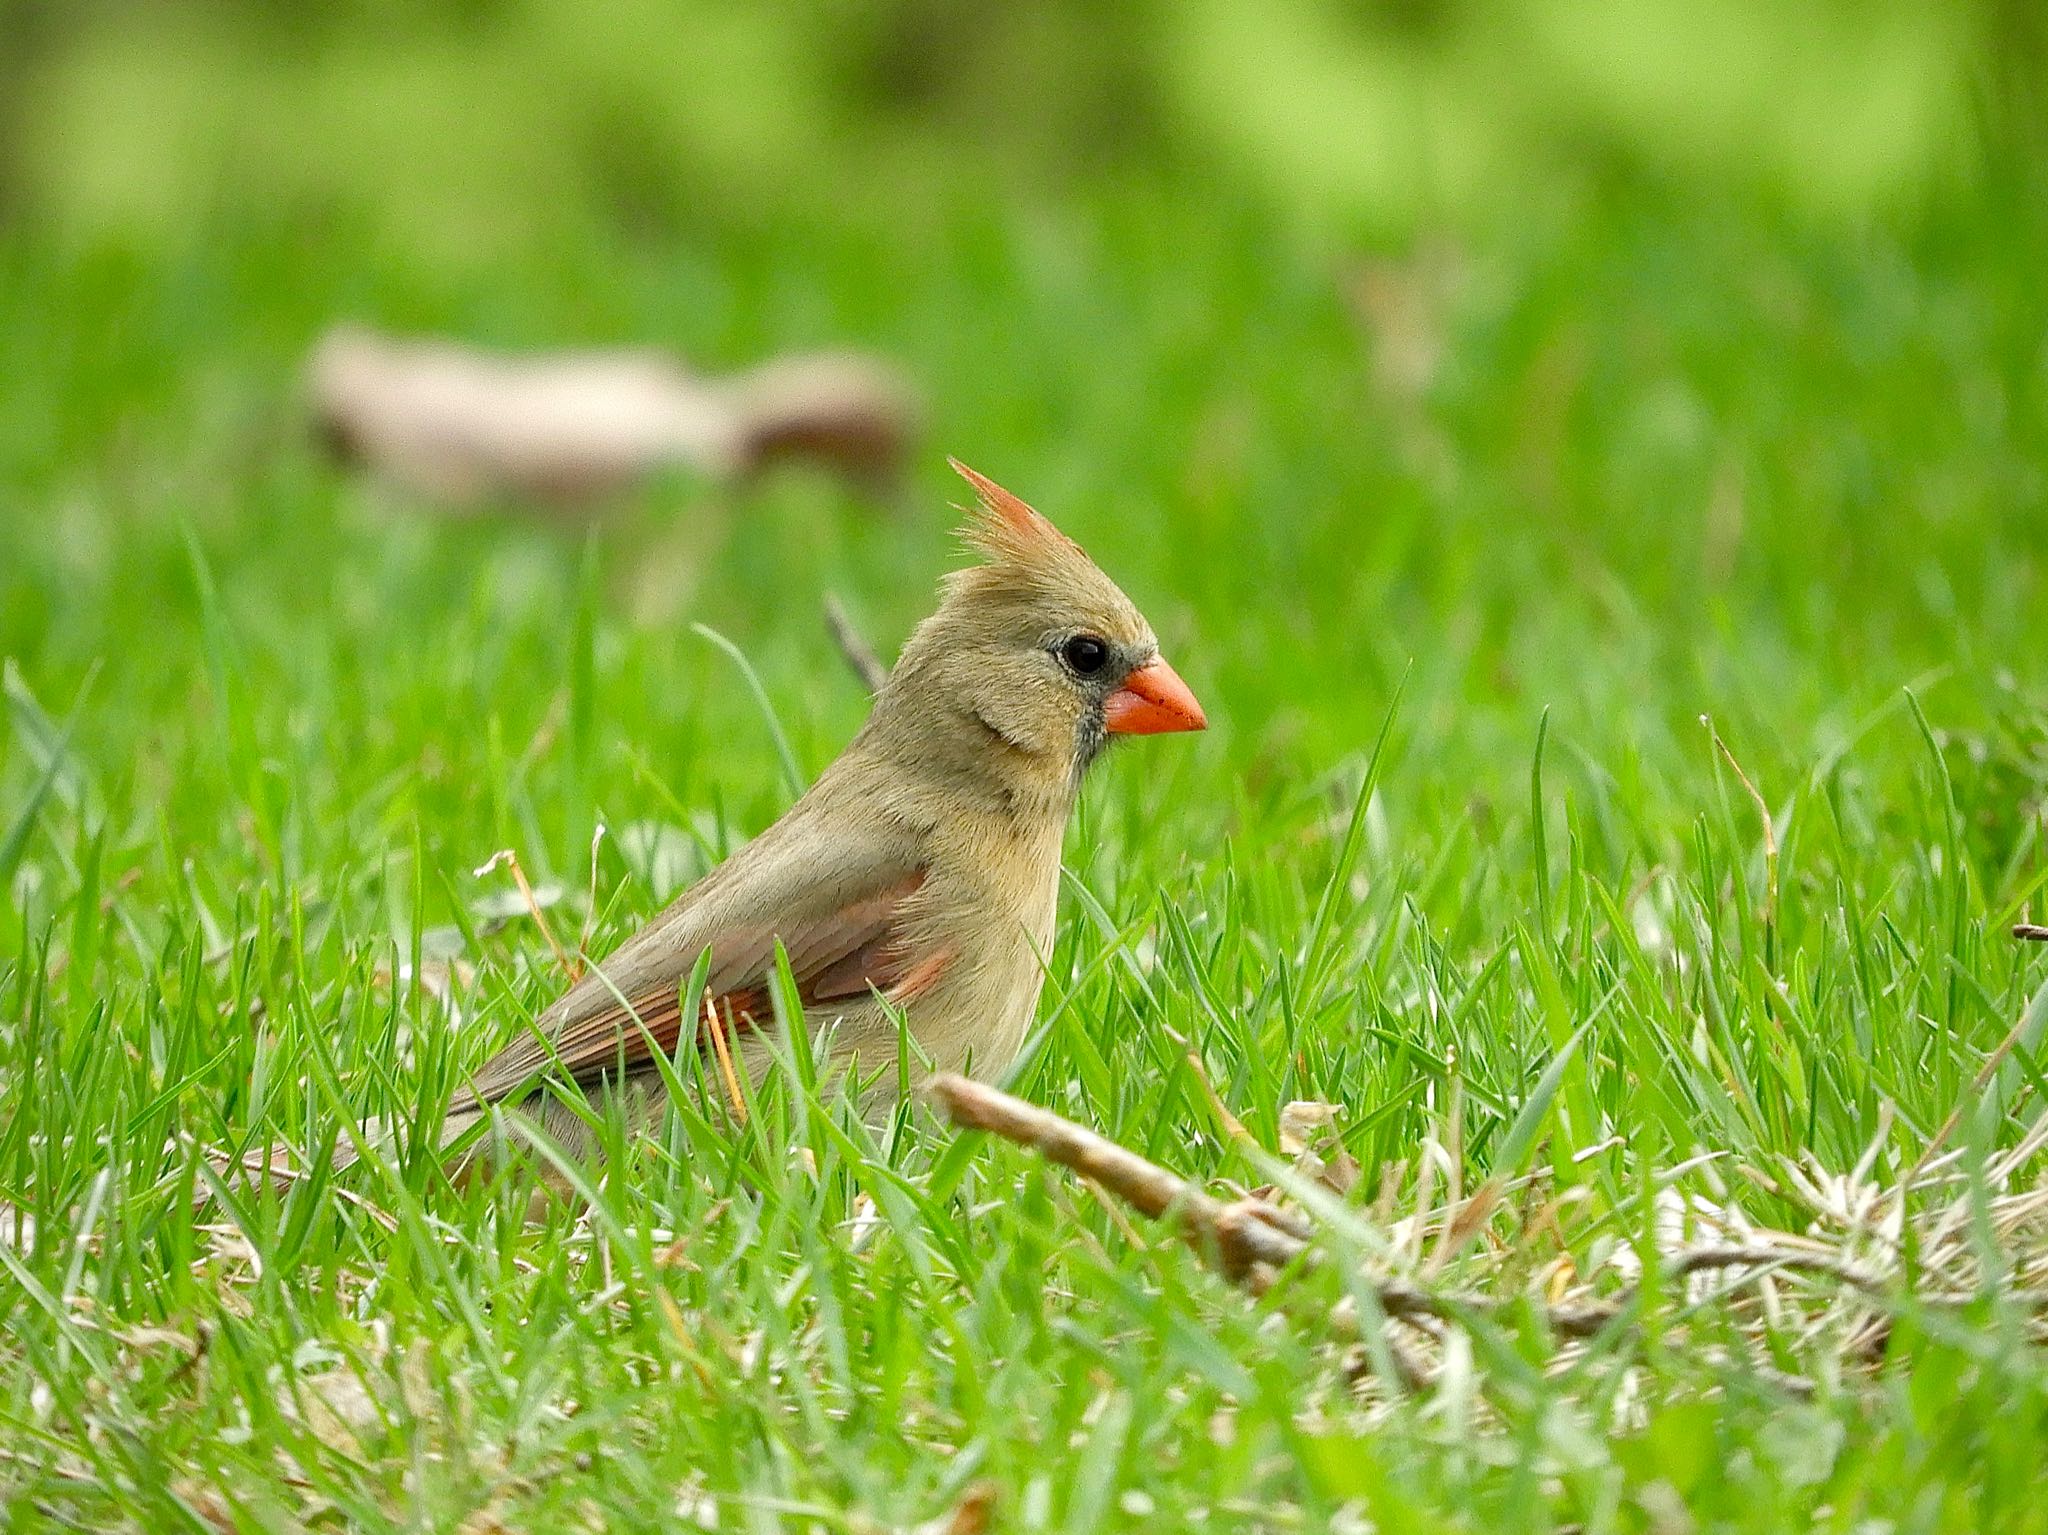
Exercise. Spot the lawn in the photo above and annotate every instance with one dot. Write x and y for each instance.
(1628, 755)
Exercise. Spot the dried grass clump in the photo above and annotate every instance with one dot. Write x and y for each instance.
(1799, 1305)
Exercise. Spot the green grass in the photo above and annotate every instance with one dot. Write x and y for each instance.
(1658, 464)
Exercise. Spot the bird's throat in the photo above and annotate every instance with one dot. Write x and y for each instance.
(1030, 780)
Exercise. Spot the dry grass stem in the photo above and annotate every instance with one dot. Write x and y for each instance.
(859, 654)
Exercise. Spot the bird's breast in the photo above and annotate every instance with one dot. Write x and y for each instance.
(993, 916)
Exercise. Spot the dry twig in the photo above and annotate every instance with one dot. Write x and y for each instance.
(1240, 1236)
(506, 858)
(860, 655)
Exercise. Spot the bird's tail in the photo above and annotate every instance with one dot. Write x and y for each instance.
(381, 1135)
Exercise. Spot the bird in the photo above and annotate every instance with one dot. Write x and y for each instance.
(918, 876)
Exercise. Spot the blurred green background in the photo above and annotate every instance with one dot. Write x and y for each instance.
(464, 131)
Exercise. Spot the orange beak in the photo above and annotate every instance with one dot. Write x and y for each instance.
(1152, 701)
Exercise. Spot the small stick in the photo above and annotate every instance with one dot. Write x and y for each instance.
(718, 1048)
(2032, 932)
(859, 654)
(1248, 1239)
(1242, 1234)
(1232, 1125)
(1587, 1318)
(572, 968)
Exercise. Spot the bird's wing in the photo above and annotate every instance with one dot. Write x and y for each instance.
(837, 905)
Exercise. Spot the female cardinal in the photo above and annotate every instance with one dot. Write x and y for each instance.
(919, 875)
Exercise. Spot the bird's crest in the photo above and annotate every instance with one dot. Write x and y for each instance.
(1006, 530)
(1027, 560)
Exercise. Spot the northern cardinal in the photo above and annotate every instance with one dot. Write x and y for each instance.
(920, 873)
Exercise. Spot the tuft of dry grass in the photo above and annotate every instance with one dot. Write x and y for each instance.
(1707, 1271)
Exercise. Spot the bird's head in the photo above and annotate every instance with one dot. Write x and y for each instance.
(1035, 658)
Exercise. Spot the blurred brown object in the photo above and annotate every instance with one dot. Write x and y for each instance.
(1404, 305)
(464, 426)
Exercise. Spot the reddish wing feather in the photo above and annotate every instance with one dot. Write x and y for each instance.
(836, 959)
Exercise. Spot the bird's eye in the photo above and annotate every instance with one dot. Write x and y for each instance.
(1085, 655)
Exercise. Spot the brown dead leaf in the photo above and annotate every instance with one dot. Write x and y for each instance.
(206, 1501)
(1403, 305)
(972, 1515)
(462, 426)
(1308, 1135)
(337, 1408)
